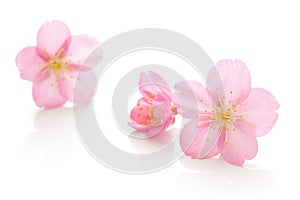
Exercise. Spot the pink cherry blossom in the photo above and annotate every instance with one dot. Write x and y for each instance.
(154, 112)
(54, 65)
(228, 115)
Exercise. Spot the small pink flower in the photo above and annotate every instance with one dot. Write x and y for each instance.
(53, 65)
(229, 114)
(154, 112)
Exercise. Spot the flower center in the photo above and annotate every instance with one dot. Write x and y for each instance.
(223, 115)
(146, 112)
(226, 116)
(145, 116)
(57, 66)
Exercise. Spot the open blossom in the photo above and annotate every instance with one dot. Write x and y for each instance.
(54, 65)
(154, 112)
(228, 115)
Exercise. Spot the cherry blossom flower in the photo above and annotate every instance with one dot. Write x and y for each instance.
(154, 112)
(54, 64)
(228, 115)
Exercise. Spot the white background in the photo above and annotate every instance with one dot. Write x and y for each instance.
(41, 155)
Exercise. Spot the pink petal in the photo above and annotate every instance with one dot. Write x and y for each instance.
(156, 130)
(141, 120)
(199, 142)
(208, 148)
(214, 151)
(157, 79)
(152, 86)
(230, 79)
(241, 145)
(140, 113)
(139, 127)
(80, 48)
(162, 111)
(191, 138)
(193, 98)
(258, 110)
(51, 37)
(46, 94)
(146, 84)
(169, 120)
(152, 117)
(163, 114)
(30, 63)
(78, 87)
(160, 83)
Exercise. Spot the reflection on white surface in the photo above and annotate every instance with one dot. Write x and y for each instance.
(153, 144)
(55, 135)
(217, 177)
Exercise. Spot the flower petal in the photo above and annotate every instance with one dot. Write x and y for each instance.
(156, 130)
(199, 142)
(152, 118)
(139, 127)
(213, 152)
(51, 37)
(140, 113)
(240, 145)
(258, 110)
(193, 98)
(80, 47)
(30, 63)
(162, 118)
(46, 94)
(208, 148)
(162, 111)
(229, 80)
(191, 138)
(160, 83)
(78, 87)
(152, 86)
